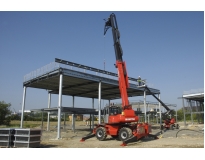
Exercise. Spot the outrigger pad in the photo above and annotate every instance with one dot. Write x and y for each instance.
(87, 137)
(132, 139)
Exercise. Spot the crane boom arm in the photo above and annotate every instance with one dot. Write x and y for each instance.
(120, 64)
(162, 103)
(112, 22)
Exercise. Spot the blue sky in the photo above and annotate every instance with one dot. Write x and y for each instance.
(166, 48)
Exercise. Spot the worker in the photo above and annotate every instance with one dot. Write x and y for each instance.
(139, 81)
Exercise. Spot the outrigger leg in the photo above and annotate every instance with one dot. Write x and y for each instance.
(153, 136)
(134, 139)
(87, 137)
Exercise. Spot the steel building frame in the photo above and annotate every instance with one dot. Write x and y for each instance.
(193, 103)
(67, 78)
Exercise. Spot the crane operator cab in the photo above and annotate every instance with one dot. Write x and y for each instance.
(112, 110)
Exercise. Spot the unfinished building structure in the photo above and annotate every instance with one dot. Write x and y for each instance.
(67, 78)
(193, 103)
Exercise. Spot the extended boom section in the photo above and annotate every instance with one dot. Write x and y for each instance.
(167, 108)
(169, 123)
(120, 64)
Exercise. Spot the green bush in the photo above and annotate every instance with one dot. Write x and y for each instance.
(5, 112)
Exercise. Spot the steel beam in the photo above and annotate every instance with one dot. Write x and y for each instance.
(73, 86)
(90, 68)
(95, 90)
(68, 72)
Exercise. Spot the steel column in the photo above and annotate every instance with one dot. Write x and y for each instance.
(176, 115)
(148, 111)
(73, 117)
(156, 115)
(198, 110)
(49, 106)
(184, 112)
(191, 111)
(41, 120)
(160, 113)
(64, 121)
(145, 107)
(93, 114)
(59, 106)
(99, 103)
(90, 121)
(196, 104)
(23, 106)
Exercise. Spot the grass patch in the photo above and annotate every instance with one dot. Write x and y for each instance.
(26, 124)
(33, 124)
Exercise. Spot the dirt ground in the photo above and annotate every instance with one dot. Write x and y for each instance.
(190, 136)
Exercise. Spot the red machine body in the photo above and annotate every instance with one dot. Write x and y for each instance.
(170, 124)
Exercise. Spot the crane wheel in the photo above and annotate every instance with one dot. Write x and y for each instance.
(125, 133)
(101, 133)
(177, 126)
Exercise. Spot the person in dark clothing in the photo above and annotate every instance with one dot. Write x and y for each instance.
(139, 81)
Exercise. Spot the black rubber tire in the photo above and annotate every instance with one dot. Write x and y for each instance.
(124, 133)
(177, 126)
(171, 127)
(101, 134)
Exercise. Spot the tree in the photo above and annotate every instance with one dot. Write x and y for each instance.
(5, 113)
(15, 117)
(180, 115)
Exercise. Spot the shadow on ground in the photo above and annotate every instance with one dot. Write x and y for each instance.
(47, 146)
